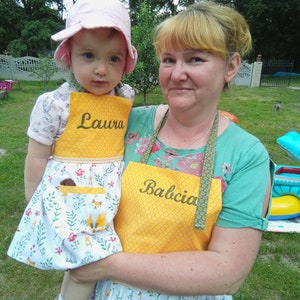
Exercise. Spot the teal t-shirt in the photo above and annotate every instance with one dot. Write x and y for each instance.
(242, 163)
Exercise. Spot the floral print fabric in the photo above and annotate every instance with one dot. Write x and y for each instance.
(66, 226)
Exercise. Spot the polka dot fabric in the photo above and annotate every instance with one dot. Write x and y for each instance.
(96, 127)
(157, 210)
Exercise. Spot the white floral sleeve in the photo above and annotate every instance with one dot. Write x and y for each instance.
(49, 115)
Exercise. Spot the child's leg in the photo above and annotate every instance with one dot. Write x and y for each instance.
(71, 290)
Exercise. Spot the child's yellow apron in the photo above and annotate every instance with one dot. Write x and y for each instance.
(67, 226)
(161, 210)
(95, 129)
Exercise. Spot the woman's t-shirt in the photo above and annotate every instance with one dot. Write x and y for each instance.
(242, 163)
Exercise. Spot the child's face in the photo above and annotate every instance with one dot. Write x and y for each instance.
(98, 58)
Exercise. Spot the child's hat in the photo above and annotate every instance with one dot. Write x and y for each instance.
(91, 14)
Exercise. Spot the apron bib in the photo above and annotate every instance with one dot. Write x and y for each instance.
(161, 210)
(95, 130)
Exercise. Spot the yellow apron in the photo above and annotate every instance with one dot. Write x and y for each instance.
(95, 129)
(69, 221)
(158, 207)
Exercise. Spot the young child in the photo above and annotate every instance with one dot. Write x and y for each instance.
(76, 142)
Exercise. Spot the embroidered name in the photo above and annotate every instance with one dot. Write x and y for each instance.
(151, 188)
(88, 123)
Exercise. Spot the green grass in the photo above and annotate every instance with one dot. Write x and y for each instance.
(276, 272)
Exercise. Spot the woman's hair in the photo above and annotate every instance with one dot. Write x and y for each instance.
(204, 26)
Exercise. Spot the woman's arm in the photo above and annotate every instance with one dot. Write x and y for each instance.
(35, 164)
(220, 270)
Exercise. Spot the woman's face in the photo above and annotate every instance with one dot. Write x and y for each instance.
(98, 59)
(193, 79)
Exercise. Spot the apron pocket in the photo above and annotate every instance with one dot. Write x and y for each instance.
(83, 210)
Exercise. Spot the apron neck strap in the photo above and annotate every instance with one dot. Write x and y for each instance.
(147, 152)
(207, 172)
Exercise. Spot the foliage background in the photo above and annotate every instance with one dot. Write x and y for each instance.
(26, 25)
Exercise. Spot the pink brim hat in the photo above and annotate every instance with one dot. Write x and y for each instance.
(91, 14)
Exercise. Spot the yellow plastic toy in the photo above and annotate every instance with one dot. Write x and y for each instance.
(285, 207)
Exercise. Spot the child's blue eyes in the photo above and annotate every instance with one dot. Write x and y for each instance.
(88, 55)
(91, 56)
(114, 59)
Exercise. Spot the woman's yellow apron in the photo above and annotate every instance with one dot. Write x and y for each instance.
(160, 208)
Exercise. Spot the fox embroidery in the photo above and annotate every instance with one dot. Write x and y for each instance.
(100, 223)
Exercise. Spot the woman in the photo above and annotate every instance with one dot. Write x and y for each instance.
(176, 246)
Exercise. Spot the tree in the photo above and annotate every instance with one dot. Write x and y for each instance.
(34, 39)
(163, 7)
(10, 25)
(145, 75)
(280, 35)
(44, 69)
(28, 24)
(274, 26)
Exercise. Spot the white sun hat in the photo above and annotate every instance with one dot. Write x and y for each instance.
(91, 14)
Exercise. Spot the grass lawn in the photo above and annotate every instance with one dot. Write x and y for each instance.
(276, 272)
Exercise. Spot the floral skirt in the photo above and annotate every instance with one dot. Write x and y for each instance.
(69, 220)
(108, 290)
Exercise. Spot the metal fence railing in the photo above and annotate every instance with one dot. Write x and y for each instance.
(277, 73)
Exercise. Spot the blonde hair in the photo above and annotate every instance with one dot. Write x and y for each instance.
(204, 26)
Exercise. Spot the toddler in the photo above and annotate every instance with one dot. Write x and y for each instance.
(76, 143)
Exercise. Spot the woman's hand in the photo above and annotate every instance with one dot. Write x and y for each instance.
(94, 271)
